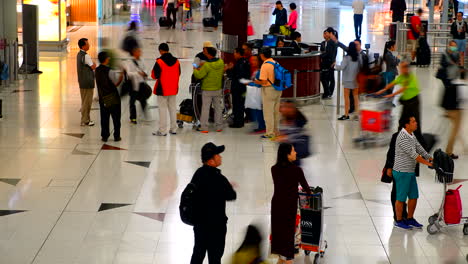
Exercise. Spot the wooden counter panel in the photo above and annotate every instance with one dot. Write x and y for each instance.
(308, 83)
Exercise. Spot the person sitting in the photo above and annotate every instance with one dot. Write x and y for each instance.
(296, 39)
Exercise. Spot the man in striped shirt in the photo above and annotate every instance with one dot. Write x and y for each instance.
(408, 152)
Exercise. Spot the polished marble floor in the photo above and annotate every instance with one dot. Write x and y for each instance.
(65, 197)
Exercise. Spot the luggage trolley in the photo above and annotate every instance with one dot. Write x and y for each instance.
(437, 221)
(196, 99)
(375, 121)
(311, 223)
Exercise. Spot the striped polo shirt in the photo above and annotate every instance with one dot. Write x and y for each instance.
(407, 149)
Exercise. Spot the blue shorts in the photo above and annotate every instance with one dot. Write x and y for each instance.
(461, 44)
(406, 185)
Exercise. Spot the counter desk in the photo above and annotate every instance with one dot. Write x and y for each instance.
(305, 71)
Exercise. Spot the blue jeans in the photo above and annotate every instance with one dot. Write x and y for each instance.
(358, 25)
(257, 116)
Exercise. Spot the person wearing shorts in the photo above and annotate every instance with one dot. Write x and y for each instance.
(408, 152)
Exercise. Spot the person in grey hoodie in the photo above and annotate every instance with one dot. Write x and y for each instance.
(350, 67)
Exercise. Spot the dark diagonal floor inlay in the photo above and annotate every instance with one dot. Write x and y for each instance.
(77, 135)
(13, 182)
(352, 196)
(145, 164)
(109, 147)
(155, 216)
(108, 206)
(10, 212)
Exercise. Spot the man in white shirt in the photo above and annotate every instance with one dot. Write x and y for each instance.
(85, 69)
(358, 9)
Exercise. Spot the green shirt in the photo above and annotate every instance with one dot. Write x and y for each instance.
(410, 82)
(211, 74)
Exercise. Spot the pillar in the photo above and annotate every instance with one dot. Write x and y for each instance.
(235, 15)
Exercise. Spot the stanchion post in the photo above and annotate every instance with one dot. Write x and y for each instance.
(295, 84)
(338, 92)
(15, 66)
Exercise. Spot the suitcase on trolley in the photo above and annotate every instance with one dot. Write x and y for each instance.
(165, 22)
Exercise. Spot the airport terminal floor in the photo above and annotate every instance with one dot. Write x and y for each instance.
(66, 197)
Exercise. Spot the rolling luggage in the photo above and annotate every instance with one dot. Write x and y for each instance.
(423, 53)
(210, 22)
(453, 206)
(165, 22)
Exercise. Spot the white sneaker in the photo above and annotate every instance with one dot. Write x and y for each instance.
(158, 133)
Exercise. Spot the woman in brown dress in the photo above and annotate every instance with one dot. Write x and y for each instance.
(286, 179)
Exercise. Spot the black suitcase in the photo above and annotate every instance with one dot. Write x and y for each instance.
(165, 22)
(1, 115)
(423, 53)
(209, 22)
(392, 30)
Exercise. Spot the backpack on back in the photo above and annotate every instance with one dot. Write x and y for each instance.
(282, 77)
(443, 164)
(187, 204)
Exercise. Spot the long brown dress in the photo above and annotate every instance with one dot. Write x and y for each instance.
(286, 180)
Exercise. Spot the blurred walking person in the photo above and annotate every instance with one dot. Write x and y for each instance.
(250, 249)
(358, 9)
(451, 100)
(136, 71)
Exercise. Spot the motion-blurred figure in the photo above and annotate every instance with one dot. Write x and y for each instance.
(292, 130)
(249, 251)
(449, 65)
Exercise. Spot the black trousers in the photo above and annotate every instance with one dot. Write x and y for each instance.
(133, 98)
(393, 199)
(327, 77)
(172, 11)
(351, 102)
(211, 238)
(238, 107)
(396, 16)
(358, 25)
(215, 11)
(412, 107)
(106, 113)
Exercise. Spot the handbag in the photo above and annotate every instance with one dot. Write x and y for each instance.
(144, 91)
(110, 100)
(385, 178)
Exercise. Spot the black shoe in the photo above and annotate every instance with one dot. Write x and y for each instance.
(453, 156)
(343, 117)
(236, 126)
(104, 139)
(116, 139)
(324, 96)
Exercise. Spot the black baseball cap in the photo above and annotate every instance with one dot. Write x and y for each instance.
(209, 150)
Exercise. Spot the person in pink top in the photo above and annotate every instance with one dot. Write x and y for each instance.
(292, 22)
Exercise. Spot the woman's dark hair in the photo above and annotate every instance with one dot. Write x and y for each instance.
(284, 150)
(132, 26)
(253, 238)
(281, 39)
(352, 51)
(279, 3)
(292, 6)
(388, 45)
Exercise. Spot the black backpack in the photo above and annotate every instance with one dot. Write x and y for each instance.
(186, 107)
(443, 164)
(187, 204)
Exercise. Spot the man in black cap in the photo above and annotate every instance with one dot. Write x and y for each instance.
(210, 220)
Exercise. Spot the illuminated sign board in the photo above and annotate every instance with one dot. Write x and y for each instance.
(52, 19)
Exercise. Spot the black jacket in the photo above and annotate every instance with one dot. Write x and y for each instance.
(328, 51)
(454, 30)
(169, 60)
(398, 6)
(213, 190)
(241, 70)
(296, 46)
(391, 152)
(281, 16)
(105, 85)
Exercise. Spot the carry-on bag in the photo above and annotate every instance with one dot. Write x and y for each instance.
(165, 22)
(209, 22)
(453, 206)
